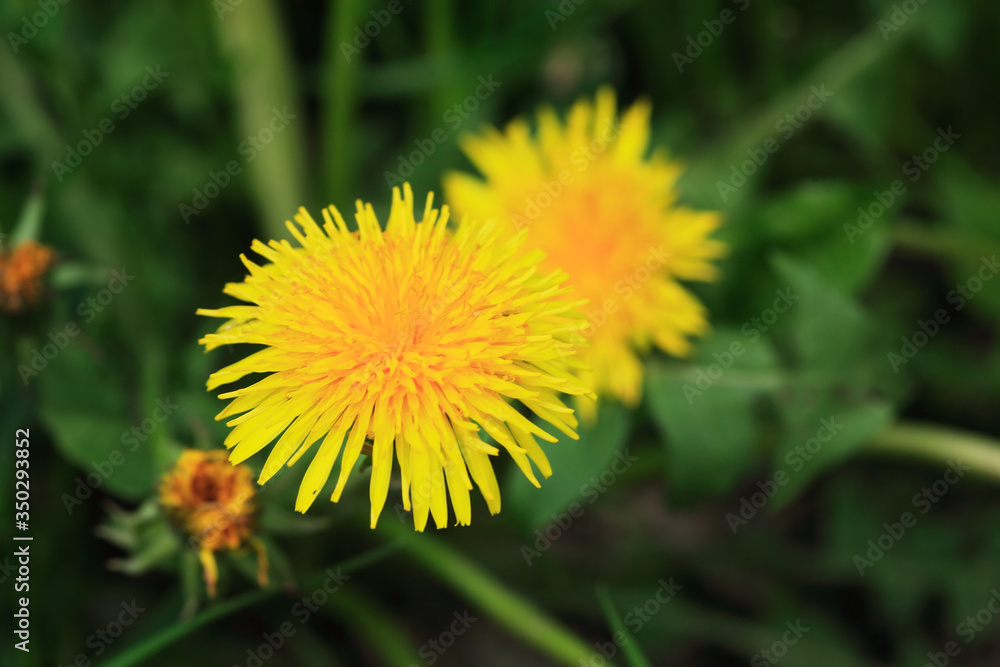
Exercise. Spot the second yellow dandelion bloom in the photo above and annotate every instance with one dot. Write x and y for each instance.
(606, 214)
(407, 344)
(215, 505)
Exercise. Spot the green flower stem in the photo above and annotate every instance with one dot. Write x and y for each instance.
(153, 383)
(373, 626)
(29, 225)
(340, 79)
(253, 39)
(940, 444)
(630, 649)
(943, 243)
(522, 618)
(438, 29)
(141, 652)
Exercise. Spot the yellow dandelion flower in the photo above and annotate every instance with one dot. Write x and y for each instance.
(214, 503)
(409, 341)
(21, 273)
(603, 212)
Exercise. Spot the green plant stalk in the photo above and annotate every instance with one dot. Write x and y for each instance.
(339, 88)
(153, 379)
(374, 626)
(518, 615)
(138, 654)
(630, 648)
(943, 243)
(29, 224)
(264, 79)
(438, 29)
(940, 444)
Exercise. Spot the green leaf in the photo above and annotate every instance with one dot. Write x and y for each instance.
(824, 423)
(708, 420)
(849, 266)
(818, 223)
(820, 434)
(943, 29)
(972, 205)
(91, 428)
(814, 207)
(573, 462)
(971, 202)
(829, 328)
(867, 111)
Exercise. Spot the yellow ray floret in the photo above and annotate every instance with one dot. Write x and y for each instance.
(599, 209)
(406, 344)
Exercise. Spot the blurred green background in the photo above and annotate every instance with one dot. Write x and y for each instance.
(157, 139)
